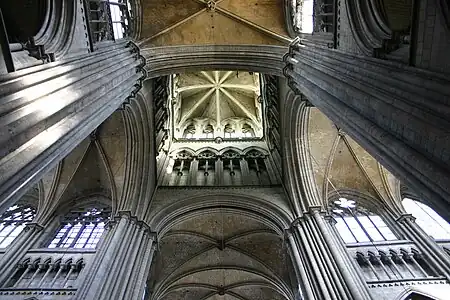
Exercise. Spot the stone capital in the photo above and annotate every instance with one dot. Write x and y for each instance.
(405, 218)
(33, 226)
(315, 209)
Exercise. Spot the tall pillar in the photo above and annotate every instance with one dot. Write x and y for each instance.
(328, 265)
(436, 256)
(45, 111)
(17, 250)
(399, 114)
(122, 263)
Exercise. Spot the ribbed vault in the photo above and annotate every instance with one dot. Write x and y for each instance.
(95, 168)
(215, 100)
(340, 164)
(220, 255)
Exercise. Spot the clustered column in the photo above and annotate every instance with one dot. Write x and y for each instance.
(435, 255)
(325, 269)
(47, 110)
(399, 114)
(122, 261)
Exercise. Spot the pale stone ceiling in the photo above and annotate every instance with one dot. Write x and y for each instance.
(218, 99)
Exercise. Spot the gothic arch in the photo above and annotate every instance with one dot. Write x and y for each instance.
(373, 204)
(367, 24)
(186, 149)
(90, 200)
(231, 148)
(255, 148)
(213, 244)
(411, 291)
(163, 61)
(139, 131)
(271, 214)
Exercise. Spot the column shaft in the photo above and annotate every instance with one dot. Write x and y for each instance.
(47, 110)
(399, 114)
(122, 263)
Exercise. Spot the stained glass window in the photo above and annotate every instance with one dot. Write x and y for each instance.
(13, 221)
(81, 229)
(432, 223)
(358, 225)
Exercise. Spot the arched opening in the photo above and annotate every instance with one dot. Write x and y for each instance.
(418, 296)
(81, 227)
(357, 224)
(206, 171)
(258, 174)
(12, 222)
(232, 173)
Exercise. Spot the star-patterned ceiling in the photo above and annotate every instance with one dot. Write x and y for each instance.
(215, 104)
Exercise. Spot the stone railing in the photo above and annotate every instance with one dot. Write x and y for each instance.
(46, 273)
(394, 263)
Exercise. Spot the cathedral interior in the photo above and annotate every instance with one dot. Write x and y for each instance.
(225, 149)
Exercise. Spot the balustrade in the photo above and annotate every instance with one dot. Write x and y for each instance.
(48, 272)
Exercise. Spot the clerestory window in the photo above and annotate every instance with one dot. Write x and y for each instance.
(81, 228)
(432, 223)
(357, 225)
(13, 221)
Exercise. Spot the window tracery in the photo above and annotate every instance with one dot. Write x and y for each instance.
(232, 168)
(109, 19)
(257, 168)
(181, 165)
(81, 228)
(356, 224)
(13, 221)
(206, 168)
(432, 223)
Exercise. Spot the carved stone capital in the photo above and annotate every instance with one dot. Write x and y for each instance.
(33, 226)
(405, 218)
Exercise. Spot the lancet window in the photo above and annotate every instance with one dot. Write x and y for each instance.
(13, 221)
(229, 132)
(189, 132)
(258, 174)
(303, 15)
(432, 223)
(247, 131)
(179, 169)
(232, 173)
(206, 168)
(109, 19)
(208, 132)
(81, 228)
(356, 224)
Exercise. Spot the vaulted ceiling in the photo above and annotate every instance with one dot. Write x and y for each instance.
(189, 22)
(221, 255)
(216, 98)
(339, 163)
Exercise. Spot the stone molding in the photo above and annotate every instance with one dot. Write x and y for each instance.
(258, 58)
